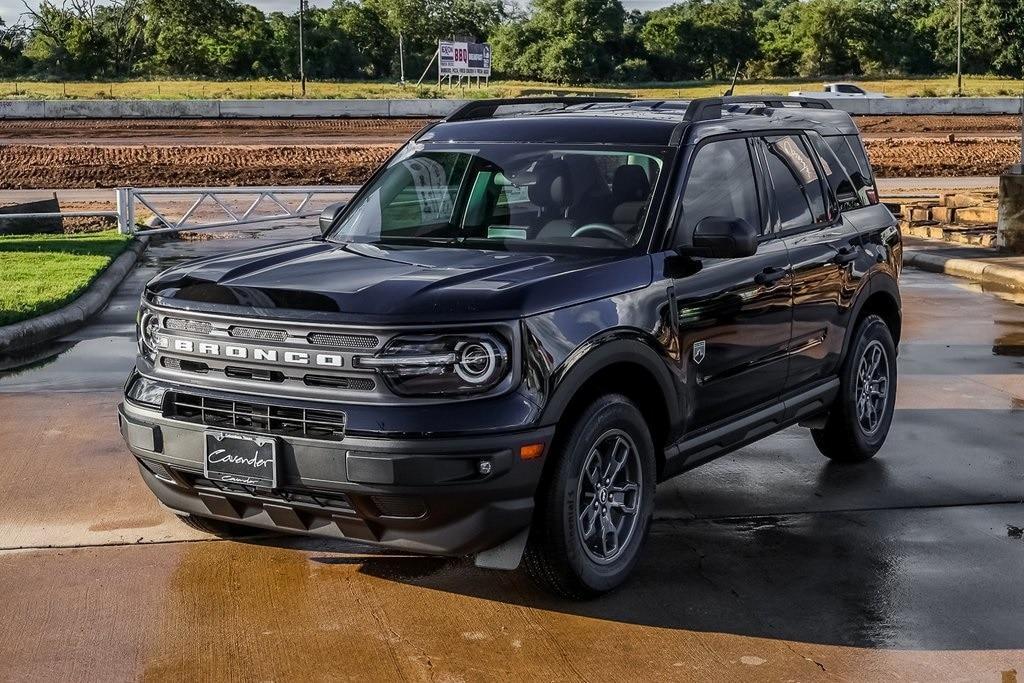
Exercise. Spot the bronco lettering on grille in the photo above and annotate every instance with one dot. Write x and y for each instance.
(327, 360)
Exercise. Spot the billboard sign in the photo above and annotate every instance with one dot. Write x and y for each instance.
(464, 59)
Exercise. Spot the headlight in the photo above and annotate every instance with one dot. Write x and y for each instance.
(431, 365)
(146, 324)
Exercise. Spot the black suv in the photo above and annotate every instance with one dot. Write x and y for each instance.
(521, 324)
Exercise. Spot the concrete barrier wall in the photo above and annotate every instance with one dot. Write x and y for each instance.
(214, 109)
(896, 106)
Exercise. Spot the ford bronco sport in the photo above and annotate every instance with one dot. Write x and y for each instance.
(521, 324)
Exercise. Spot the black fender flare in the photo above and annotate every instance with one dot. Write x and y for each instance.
(605, 350)
(877, 283)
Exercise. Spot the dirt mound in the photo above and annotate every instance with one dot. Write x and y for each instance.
(31, 166)
(938, 125)
(910, 158)
(81, 166)
(218, 128)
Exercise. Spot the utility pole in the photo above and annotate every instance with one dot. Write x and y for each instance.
(401, 60)
(959, 48)
(302, 48)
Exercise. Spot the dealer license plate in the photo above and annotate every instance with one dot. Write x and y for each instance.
(250, 460)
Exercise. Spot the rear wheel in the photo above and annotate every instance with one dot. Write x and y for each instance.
(862, 413)
(595, 508)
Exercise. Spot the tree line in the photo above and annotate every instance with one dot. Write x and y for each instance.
(562, 41)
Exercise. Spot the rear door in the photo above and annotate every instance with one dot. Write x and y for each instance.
(822, 246)
(734, 316)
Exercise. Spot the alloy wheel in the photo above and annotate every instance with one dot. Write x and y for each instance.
(872, 390)
(608, 496)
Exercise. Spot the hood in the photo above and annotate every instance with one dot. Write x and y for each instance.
(323, 281)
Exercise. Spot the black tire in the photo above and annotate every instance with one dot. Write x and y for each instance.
(217, 527)
(561, 557)
(849, 435)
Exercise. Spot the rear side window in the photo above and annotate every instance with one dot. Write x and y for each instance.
(798, 191)
(835, 175)
(850, 151)
(721, 183)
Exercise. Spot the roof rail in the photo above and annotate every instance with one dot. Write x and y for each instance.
(485, 109)
(704, 109)
(779, 101)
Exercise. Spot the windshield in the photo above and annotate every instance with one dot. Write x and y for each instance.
(506, 196)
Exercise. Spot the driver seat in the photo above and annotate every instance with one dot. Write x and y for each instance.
(552, 192)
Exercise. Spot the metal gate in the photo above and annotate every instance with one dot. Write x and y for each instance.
(175, 209)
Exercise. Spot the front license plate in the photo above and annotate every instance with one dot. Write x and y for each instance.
(241, 459)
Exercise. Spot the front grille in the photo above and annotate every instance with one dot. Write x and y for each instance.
(258, 334)
(399, 506)
(349, 383)
(184, 325)
(184, 365)
(334, 501)
(343, 341)
(255, 417)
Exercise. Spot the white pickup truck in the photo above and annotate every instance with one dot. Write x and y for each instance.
(832, 90)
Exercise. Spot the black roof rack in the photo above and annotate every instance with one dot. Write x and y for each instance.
(778, 101)
(485, 109)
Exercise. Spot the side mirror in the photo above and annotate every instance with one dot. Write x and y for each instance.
(329, 215)
(718, 237)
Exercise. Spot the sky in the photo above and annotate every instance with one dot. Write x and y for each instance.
(11, 9)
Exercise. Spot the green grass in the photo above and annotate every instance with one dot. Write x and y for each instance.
(898, 87)
(41, 273)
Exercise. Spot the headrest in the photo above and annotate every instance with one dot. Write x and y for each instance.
(630, 184)
(628, 214)
(552, 189)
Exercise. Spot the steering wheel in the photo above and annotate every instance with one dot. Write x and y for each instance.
(603, 230)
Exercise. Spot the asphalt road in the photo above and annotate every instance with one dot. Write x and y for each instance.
(767, 564)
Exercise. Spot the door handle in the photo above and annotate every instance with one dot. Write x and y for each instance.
(845, 255)
(770, 276)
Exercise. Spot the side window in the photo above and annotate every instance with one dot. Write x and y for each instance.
(850, 151)
(835, 174)
(721, 183)
(797, 186)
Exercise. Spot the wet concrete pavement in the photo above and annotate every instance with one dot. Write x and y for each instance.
(767, 564)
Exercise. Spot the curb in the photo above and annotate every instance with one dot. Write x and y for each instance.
(991, 274)
(27, 333)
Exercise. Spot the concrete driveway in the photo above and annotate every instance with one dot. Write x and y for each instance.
(770, 563)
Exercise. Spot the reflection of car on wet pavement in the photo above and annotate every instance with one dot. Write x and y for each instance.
(498, 349)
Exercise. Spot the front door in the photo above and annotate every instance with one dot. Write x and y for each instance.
(734, 314)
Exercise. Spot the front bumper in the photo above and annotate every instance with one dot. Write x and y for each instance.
(418, 494)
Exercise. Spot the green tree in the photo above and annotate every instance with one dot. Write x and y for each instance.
(1004, 24)
(84, 38)
(700, 38)
(567, 41)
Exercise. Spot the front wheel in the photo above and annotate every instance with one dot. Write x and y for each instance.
(862, 413)
(595, 508)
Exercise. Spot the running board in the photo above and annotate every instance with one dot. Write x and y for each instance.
(696, 450)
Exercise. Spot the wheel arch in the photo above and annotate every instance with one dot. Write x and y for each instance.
(881, 297)
(625, 363)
